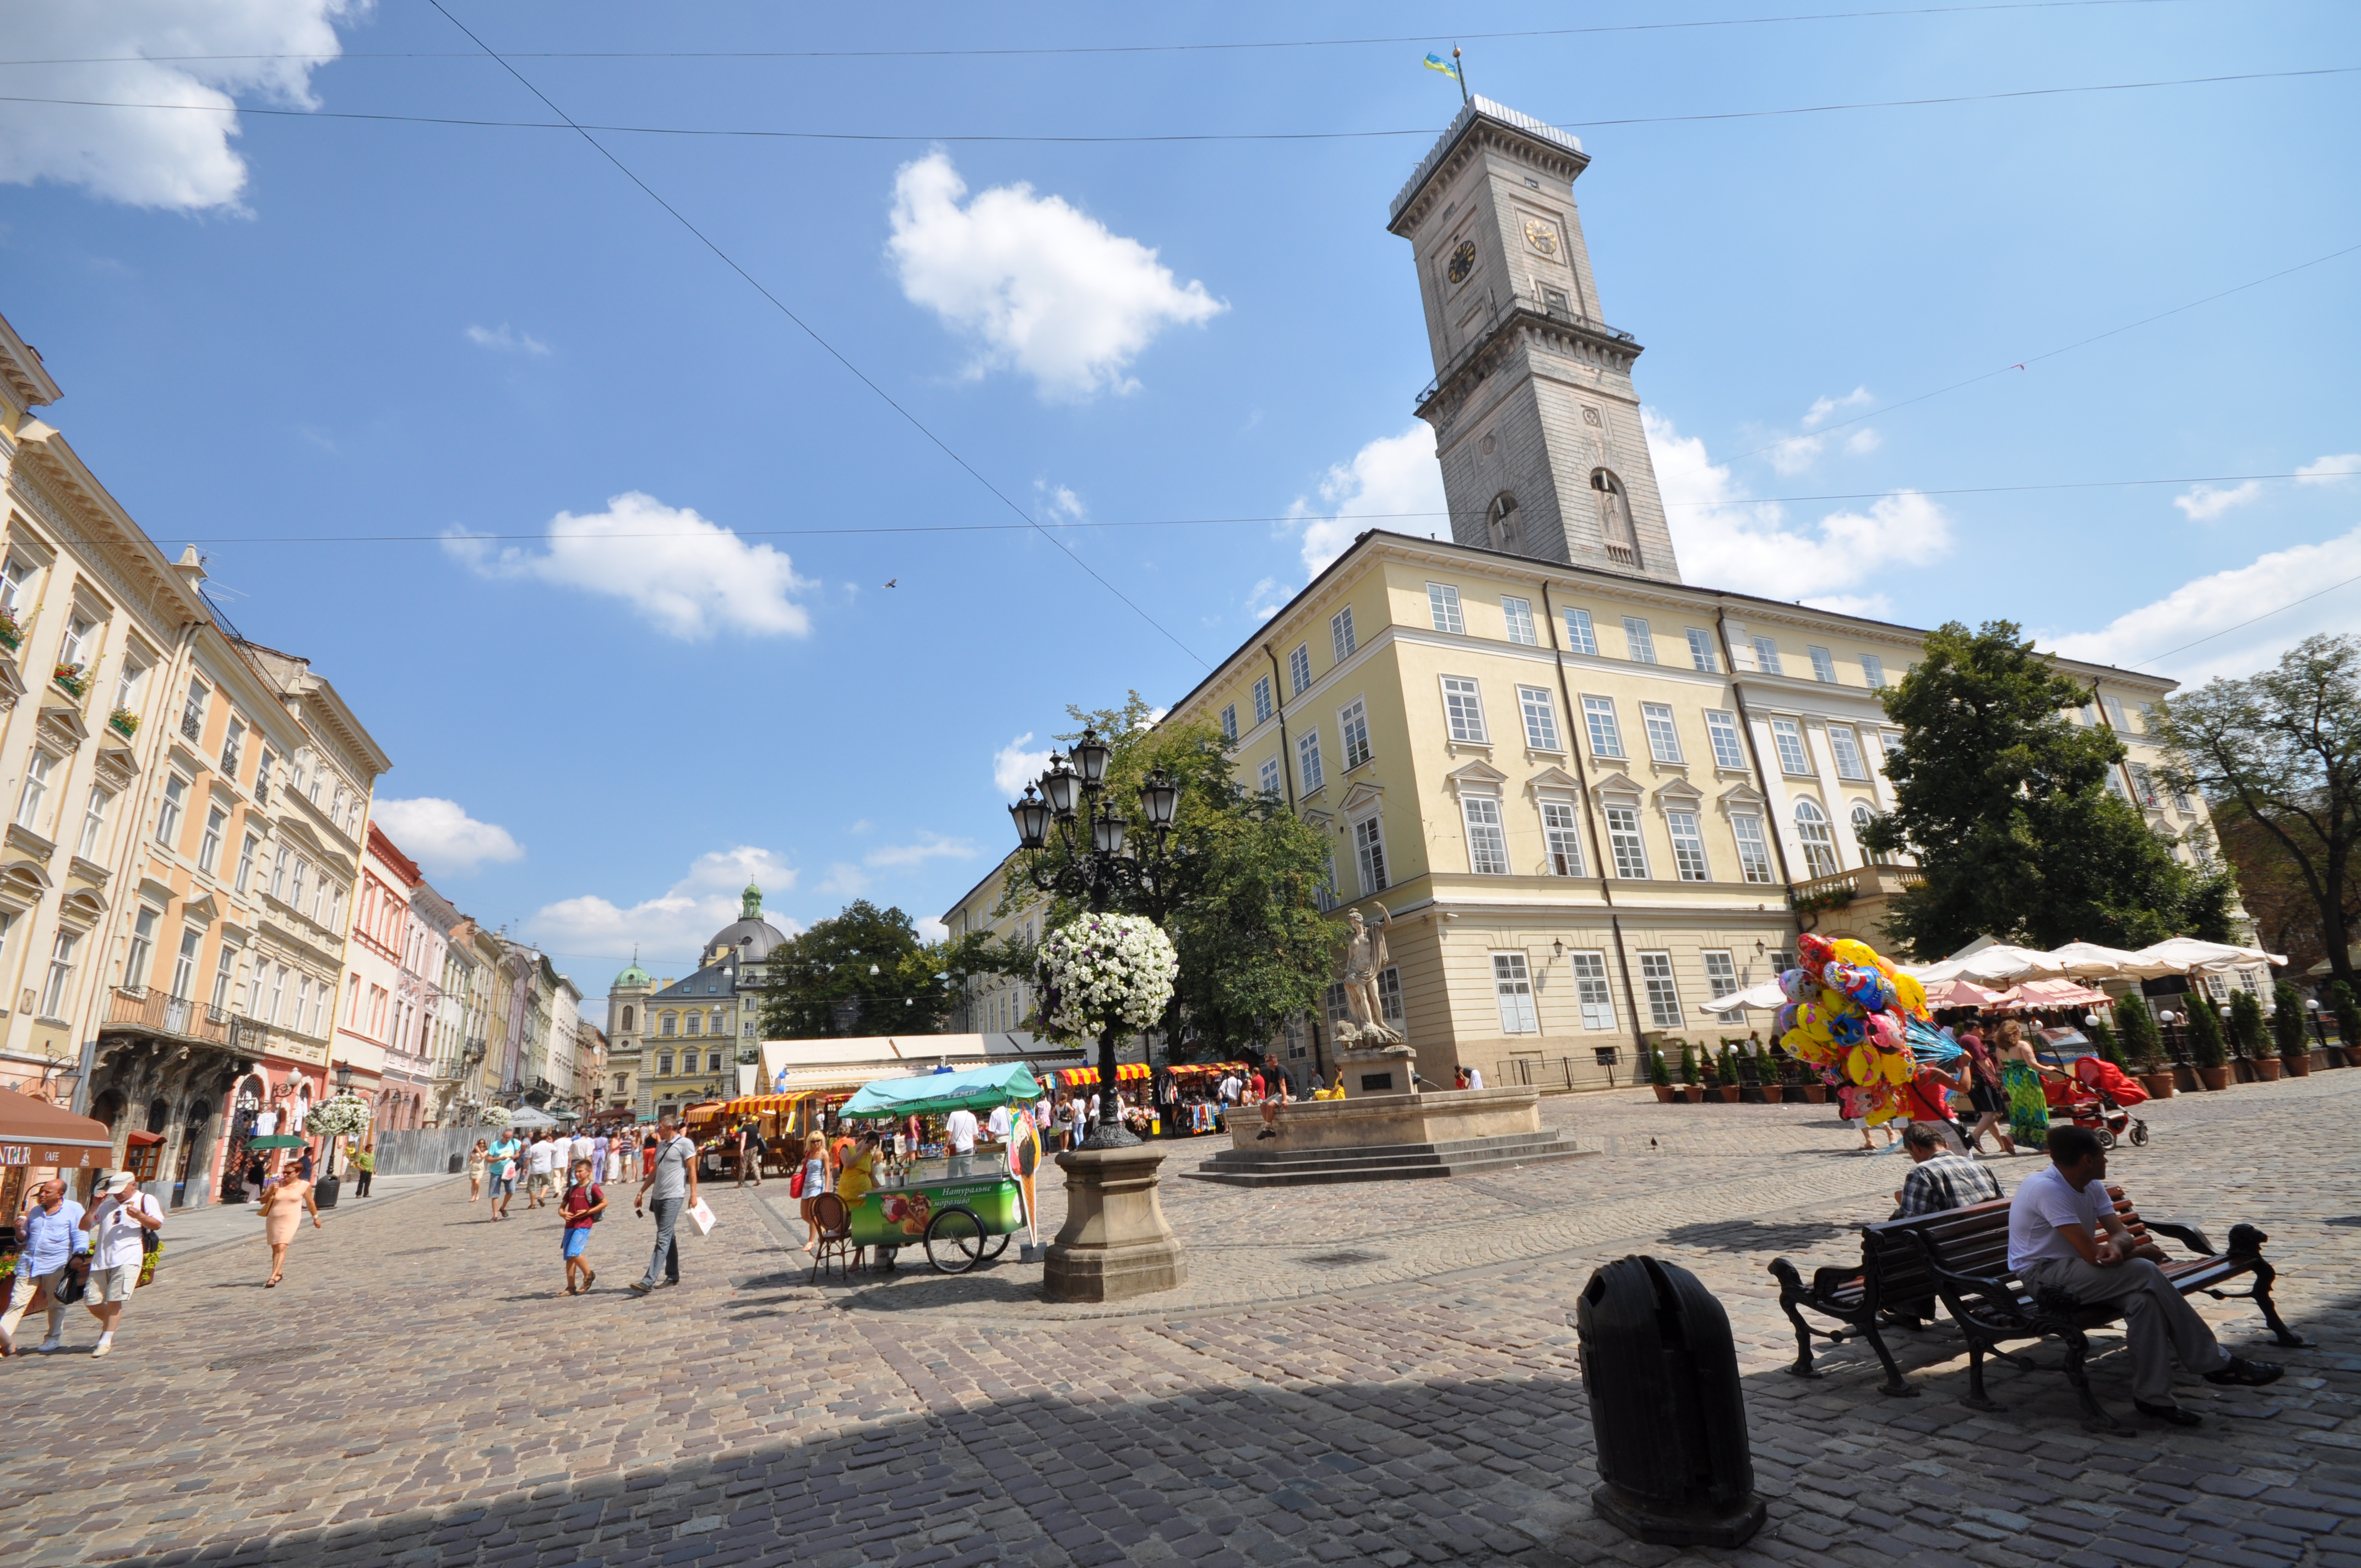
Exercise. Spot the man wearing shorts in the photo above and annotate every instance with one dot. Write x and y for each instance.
(541, 1171)
(584, 1200)
(504, 1170)
(117, 1226)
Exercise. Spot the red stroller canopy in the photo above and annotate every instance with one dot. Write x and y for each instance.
(2104, 1076)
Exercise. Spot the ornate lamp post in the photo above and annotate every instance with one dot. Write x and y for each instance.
(1100, 864)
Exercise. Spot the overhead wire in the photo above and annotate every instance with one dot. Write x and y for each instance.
(962, 138)
(812, 332)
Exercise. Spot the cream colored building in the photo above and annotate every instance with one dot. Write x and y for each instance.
(994, 1004)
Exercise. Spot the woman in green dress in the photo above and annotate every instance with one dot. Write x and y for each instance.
(2020, 1077)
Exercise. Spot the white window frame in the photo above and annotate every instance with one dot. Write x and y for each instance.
(140, 956)
(1369, 853)
(1263, 706)
(1663, 735)
(1720, 972)
(169, 814)
(1872, 670)
(1230, 724)
(1299, 669)
(1581, 636)
(1688, 844)
(1463, 710)
(1703, 655)
(57, 990)
(184, 963)
(1540, 711)
(209, 847)
(1512, 986)
(1753, 849)
(1487, 834)
(1824, 666)
(1442, 608)
(1639, 640)
(1795, 755)
(1309, 774)
(1720, 727)
(1592, 993)
(1353, 725)
(93, 822)
(2144, 787)
(1519, 614)
(1766, 656)
(1340, 640)
(1561, 837)
(1269, 778)
(37, 790)
(1818, 838)
(1599, 720)
(1661, 987)
(1626, 846)
(1846, 749)
(1863, 815)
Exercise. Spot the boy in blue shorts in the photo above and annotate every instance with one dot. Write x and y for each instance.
(584, 1202)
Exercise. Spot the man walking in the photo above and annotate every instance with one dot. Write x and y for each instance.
(503, 1155)
(118, 1227)
(50, 1234)
(2063, 1234)
(671, 1185)
(541, 1165)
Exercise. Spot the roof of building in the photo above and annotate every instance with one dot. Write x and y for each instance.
(750, 936)
(713, 979)
(633, 976)
(1476, 108)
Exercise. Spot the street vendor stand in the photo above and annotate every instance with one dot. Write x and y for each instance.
(962, 1209)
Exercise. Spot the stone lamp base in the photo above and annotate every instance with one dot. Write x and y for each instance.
(1115, 1243)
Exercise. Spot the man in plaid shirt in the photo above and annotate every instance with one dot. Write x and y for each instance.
(1940, 1179)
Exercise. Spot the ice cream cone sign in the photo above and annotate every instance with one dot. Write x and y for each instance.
(1024, 1159)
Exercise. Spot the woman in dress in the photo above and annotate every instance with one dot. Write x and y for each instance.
(477, 1159)
(815, 1183)
(283, 1204)
(1986, 1095)
(2020, 1077)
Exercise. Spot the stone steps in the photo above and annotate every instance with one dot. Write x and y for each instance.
(1384, 1162)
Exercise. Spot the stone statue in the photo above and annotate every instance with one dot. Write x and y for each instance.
(1364, 955)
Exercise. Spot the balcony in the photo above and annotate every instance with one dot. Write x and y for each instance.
(1863, 892)
(179, 1017)
(192, 725)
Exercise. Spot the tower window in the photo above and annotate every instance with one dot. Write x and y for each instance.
(1615, 531)
(1500, 524)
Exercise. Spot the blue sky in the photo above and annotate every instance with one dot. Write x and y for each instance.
(372, 365)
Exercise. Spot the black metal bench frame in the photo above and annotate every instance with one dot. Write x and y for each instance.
(1863, 1296)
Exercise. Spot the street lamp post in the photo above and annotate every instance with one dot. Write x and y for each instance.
(2312, 1011)
(1100, 865)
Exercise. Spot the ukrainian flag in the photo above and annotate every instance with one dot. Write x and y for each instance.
(1436, 62)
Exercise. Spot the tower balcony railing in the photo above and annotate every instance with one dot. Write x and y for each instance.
(1551, 305)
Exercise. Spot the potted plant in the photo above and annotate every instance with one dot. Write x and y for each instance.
(1773, 1076)
(1690, 1091)
(2205, 1052)
(72, 678)
(1658, 1074)
(2348, 1023)
(2286, 1030)
(345, 1116)
(12, 630)
(1729, 1085)
(2246, 1032)
(124, 722)
(2144, 1047)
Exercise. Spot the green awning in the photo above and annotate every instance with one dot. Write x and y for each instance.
(940, 1093)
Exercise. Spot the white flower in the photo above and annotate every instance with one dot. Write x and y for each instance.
(1104, 971)
(344, 1116)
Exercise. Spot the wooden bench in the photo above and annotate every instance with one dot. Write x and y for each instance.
(1961, 1257)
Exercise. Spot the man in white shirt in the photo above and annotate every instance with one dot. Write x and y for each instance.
(1231, 1087)
(998, 1124)
(958, 1127)
(117, 1224)
(2063, 1234)
(539, 1161)
(585, 1147)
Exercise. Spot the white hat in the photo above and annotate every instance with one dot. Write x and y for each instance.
(120, 1182)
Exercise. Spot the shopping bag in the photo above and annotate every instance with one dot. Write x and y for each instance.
(701, 1214)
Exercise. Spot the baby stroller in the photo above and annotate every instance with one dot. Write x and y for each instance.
(2098, 1096)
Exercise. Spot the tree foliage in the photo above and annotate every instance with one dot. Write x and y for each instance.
(2005, 804)
(862, 972)
(2282, 749)
(2287, 1021)
(2142, 1042)
(1242, 906)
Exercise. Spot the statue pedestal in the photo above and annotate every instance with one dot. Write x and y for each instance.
(1115, 1243)
(1378, 1069)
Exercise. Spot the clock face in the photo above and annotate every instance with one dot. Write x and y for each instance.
(1463, 261)
(1541, 236)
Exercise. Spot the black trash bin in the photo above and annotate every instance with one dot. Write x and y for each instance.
(1660, 1373)
(324, 1190)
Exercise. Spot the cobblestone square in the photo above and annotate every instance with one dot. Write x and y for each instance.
(1355, 1374)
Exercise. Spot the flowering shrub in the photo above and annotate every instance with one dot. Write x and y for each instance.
(71, 676)
(12, 630)
(344, 1116)
(1106, 971)
(493, 1115)
(125, 721)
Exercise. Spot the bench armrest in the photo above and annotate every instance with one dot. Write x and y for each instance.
(2187, 1234)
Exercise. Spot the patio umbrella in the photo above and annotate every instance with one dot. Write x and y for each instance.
(1945, 993)
(2182, 954)
(526, 1116)
(2050, 993)
(2089, 960)
(276, 1141)
(1934, 975)
(2004, 961)
(1766, 994)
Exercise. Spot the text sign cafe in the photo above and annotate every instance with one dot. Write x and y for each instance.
(64, 1156)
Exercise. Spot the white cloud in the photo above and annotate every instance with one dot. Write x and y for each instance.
(2330, 470)
(2148, 636)
(928, 847)
(440, 834)
(845, 880)
(1796, 452)
(1042, 287)
(1865, 439)
(1055, 503)
(1823, 406)
(1267, 598)
(507, 340)
(2203, 503)
(673, 927)
(177, 158)
(688, 576)
(1013, 767)
(1393, 483)
(930, 929)
(1722, 537)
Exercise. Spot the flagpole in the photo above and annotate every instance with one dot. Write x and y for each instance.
(1461, 73)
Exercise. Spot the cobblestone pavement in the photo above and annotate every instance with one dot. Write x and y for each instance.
(1381, 1373)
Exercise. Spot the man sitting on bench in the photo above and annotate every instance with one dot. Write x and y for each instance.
(2063, 1235)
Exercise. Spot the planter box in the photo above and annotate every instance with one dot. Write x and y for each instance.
(1663, 1093)
(1692, 1092)
(1729, 1093)
(1816, 1095)
(1773, 1093)
(2185, 1079)
(2266, 1068)
(2157, 1085)
(324, 1190)
(2213, 1077)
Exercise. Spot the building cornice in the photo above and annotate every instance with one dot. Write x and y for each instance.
(1482, 125)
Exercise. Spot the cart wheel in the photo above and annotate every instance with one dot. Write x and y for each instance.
(2106, 1136)
(999, 1246)
(2140, 1135)
(955, 1240)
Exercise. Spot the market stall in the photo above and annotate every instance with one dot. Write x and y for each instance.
(962, 1209)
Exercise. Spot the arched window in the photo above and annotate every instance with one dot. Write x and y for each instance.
(627, 1018)
(1863, 815)
(670, 1025)
(1820, 845)
(1500, 530)
(1615, 530)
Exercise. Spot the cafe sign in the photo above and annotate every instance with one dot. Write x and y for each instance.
(66, 1157)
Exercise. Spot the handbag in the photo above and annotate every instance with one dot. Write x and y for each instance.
(795, 1183)
(151, 1252)
(73, 1279)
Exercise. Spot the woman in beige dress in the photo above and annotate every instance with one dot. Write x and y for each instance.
(282, 1211)
(477, 1158)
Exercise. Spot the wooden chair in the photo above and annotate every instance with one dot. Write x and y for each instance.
(835, 1223)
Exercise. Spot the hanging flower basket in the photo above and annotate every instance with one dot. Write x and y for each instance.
(493, 1115)
(70, 678)
(345, 1116)
(1106, 971)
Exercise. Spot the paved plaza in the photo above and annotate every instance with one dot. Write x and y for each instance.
(1360, 1373)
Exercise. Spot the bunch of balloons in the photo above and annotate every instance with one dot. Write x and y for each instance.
(1852, 1013)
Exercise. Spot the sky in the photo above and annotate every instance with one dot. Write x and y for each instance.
(681, 509)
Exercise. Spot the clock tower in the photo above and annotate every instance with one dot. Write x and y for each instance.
(1536, 421)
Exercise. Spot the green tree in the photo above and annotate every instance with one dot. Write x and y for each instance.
(1688, 1063)
(2204, 1031)
(2142, 1043)
(2005, 804)
(2287, 1021)
(1242, 902)
(2348, 1017)
(2284, 748)
(862, 972)
(2245, 1022)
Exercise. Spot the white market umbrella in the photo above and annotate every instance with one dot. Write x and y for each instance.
(1766, 994)
(2178, 955)
(2004, 961)
(2089, 960)
(1931, 975)
(526, 1116)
